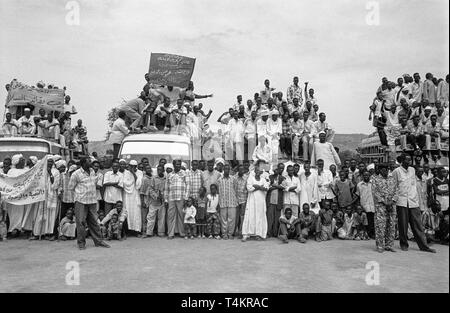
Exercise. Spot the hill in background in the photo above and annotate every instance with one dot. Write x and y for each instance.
(342, 141)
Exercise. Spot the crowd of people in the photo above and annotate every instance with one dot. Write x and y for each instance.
(53, 125)
(212, 199)
(413, 114)
(266, 128)
(256, 192)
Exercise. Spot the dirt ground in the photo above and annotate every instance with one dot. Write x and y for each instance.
(202, 265)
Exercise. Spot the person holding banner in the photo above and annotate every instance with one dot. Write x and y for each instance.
(190, 96)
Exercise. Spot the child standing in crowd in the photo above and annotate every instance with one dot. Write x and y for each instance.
(189, 219)
(361, 223)
(212, 215)
(343, 190)
(201, 212)
(103, 229)
(3, 228)
(114, 228)
(67, 227)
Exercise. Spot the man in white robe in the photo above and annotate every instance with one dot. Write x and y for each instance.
(325, 151)
(132, 180)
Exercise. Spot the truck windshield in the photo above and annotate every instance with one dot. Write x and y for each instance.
(27, 148)
(154, 151)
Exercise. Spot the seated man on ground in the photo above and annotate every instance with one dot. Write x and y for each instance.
(307, 221)
(289, 226)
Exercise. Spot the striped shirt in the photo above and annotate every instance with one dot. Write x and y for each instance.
(84, 186)
(227, 192)
(67, 193)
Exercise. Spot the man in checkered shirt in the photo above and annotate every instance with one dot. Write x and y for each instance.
(175, 193)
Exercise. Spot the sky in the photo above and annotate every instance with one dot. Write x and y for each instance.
(335, 45)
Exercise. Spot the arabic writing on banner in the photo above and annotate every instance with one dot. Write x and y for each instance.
(47, 99)
(27, 188)
(171, 70)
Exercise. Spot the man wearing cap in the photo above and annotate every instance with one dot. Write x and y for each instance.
(26, 123)
(132, 181)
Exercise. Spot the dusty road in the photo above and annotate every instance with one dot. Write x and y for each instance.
(159, 265)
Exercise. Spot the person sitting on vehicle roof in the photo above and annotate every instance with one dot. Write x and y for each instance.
(134, 109)
(26, 123)
(49, 128)
(10, 127)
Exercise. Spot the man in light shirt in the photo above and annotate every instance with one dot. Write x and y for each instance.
(443, 92)
(250, 135)
(406, 200)
(113, 184)
(322, 125)
(292, 188)
(274, 130)
(236, 136)
(308, 136)
(298, 127)
(267, 92)
(26, 123)
(417, 88)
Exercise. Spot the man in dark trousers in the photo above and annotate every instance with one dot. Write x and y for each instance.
(407, 201)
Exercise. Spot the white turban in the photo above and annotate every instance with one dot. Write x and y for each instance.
(183, 164)
(34, 160)
(60, 163)
(56, 158)
(370, 167)
(133, 163)
(73, 168)
(16, 159)
(220, 160)
(168, 165)
(122, 161)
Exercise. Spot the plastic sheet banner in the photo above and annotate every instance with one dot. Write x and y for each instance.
(171, 70)
(27, 188)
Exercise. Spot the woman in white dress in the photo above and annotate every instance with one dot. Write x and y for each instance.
(255, 219)
(132, 181)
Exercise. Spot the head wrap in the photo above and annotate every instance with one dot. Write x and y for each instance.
(183, 164)
(60, 163)
(56, 158)
(16, 159)
(264, 112)
(122, 161)
(219, 160)
(72, 168)
(133, 163)
(371, 167)
(34, 160)
(168, 165)
(428, 108)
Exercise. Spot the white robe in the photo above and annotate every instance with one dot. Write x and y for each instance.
(47, 212)
(132, 200)
(309, 192)
(255, 219)
(15, 212)
(326, 152)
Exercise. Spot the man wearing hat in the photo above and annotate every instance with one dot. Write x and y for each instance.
(26, 123)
